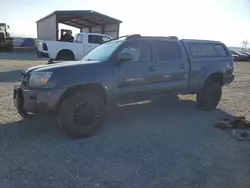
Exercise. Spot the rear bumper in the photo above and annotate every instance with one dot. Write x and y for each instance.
(228, 79)
(34, 101)
(42, 54)
(236, 58)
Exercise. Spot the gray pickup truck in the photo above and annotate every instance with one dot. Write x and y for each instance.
(123, 70)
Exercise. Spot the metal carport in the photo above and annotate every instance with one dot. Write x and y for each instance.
(86, 20)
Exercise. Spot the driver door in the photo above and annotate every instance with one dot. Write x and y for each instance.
(134, 78)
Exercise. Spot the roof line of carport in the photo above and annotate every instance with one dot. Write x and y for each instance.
(79, 12)
(74, 24)
(80, 24)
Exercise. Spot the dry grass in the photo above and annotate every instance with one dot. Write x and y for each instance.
(236, 96)
(9, 74)
(174, 140)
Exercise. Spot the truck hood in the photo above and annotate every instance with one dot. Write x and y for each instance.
(67, 64)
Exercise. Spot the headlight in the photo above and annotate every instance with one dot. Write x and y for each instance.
(38, 79)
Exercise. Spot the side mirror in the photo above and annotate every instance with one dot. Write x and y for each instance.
(124, 57)
(8, 26)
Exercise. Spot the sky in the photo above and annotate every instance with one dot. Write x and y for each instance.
(223, 20)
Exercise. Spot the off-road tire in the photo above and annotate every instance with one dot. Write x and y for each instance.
(209, 96)
(68, 108)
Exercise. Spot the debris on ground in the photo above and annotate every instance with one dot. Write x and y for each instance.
(239, 134)
(237, 127)
(233, 123)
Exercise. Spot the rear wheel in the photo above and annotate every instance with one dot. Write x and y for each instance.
(209, 96)
(65, 55)
(81, 114)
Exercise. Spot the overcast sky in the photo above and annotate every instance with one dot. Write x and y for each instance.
(224, 20)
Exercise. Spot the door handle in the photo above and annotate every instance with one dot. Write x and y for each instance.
(182, 66)
(151, 68)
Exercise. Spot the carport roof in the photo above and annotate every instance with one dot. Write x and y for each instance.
(82, 18)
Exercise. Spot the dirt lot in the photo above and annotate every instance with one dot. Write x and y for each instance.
(174, 145)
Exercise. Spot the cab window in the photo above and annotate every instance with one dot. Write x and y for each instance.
(140, 51)
(97, 39)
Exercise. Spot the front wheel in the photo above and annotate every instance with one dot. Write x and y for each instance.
(81, 114)
(209, 96)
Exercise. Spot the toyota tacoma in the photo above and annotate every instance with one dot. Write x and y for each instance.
(128, 69)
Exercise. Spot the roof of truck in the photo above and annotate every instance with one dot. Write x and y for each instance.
(197, 40)
(137, 36)
(79, 18)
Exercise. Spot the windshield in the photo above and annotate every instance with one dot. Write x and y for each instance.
(102, 52)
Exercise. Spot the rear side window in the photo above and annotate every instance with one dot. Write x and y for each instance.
(97, 39)
(207, 50)
(167, 50)
(221, 50)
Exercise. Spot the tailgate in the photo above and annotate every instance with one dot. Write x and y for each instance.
(40, 45)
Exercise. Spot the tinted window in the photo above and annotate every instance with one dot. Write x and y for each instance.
(202, 50)
(220, 50)
(97, 39)
(140, 50)
(167, 50)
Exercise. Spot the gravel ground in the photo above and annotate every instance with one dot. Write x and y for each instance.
(166, 143)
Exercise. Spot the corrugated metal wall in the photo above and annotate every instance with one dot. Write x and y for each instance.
(46, 28)
(109, 29)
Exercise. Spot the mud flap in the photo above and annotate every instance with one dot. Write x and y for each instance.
(237, 127)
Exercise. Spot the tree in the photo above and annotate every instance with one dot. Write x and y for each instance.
(244, 45)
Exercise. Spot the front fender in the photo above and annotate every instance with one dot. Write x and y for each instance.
(90, 74)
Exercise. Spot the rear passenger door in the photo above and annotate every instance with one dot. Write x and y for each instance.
(173, 66)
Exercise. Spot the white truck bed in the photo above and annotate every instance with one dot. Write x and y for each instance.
(58, 50)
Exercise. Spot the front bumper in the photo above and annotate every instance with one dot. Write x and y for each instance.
(42, 54)
(34, 101)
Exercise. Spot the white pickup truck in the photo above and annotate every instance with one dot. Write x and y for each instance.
(60, 51)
